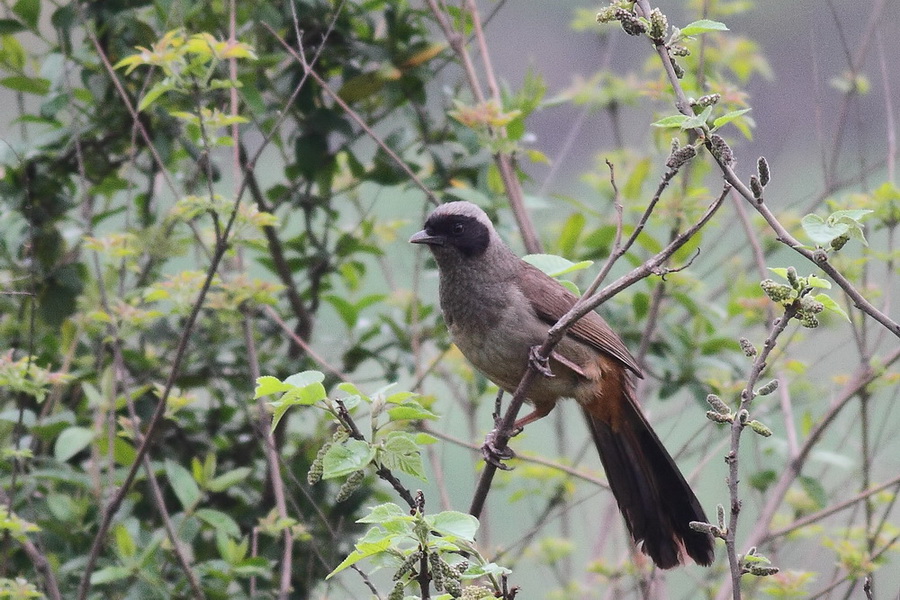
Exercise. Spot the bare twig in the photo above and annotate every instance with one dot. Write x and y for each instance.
(737, 427)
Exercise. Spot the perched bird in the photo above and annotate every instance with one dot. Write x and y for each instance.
(497, 308)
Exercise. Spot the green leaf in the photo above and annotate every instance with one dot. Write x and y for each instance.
(454, 524)
(343, 459)
(400, 451)
(813, 487)
(702, 26)
(186, 489)
(816, 282)
(821, 232)
(155, 92)
(410, 410)
(305, 378)
(729, 117)
(72, 441)
(553, 265)
(363, 550)
(571, 231)
(28, 85)
(29, 11)
(672, 121)
(229, 479)
(10, 26)
(698, 120)
(219, 520)
(267, 385)
(110, 574)
(386, 513)
(831, 305)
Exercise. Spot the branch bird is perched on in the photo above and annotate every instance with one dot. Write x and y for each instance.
(497, 308)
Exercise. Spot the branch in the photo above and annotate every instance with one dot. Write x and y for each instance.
(819, 258)
(38, 560)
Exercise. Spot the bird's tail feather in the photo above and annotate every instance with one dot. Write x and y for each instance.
(657, 502)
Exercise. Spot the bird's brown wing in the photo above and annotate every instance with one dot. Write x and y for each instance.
(550, 300)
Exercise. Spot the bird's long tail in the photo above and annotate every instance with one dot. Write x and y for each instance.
(657, 502)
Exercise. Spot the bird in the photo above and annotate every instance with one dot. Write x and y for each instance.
(498, 308)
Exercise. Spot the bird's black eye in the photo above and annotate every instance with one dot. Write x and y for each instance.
(458, 228)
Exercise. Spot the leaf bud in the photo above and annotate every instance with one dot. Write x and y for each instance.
(839, 242)
(708, 100)
(659, 25)
(792, 278)
(437, 573)
(756, 187)
(407, 565)
(810, 304)
(316, 469)
(681, 156)
(677, 50)
(350, 485)
(762, 169)
(717, 404)
(778, 292)
(743, 416)
(397, 592)
(763, 570)
(719, 417)
(630, 23)
(721, 150)
(748, 348)
(808, 320)
(607, 14)
(759, 428)
(768, 388)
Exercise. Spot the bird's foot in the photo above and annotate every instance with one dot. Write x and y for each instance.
(495, 455)
(541, 363)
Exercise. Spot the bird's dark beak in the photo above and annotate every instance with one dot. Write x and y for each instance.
(423, 237)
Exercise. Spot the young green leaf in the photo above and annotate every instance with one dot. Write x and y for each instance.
(343, 459)
(702, 26)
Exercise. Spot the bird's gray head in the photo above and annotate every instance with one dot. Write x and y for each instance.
(457, 229)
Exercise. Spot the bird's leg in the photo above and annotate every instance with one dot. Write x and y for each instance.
(539, 362)
(495, 455)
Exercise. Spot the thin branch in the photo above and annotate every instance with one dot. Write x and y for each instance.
(827, 512)
(38, 560)
(737, 428)
(308, 70)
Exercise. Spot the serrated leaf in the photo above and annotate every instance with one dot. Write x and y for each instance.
(343, 459)
(72, 441)
(829, 304)
(702, 26)
(386, 513)
(410, 411)
(400, 451)
(455, 524)
(729, 117)
(183, 485)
